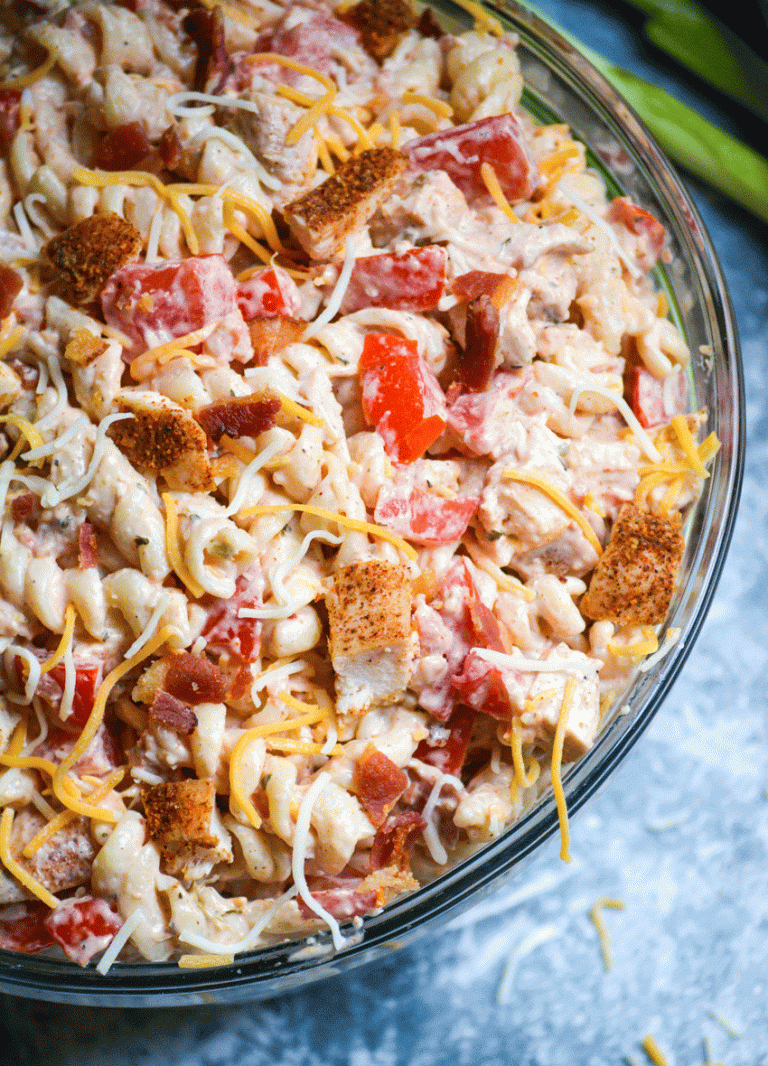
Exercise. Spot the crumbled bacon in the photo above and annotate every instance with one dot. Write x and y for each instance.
(477, 359)
(395, 840)
(169, 711)
(194, 679)
(122, 148)
(10, 103)
(378, 783)
(270, 335)
(476, 283)
(429, 26)
(25, 507)
(342, 903)
(10, 286)
(448, 748)
(244, 416)
(86, 545)
(169, 148)
(206, 28)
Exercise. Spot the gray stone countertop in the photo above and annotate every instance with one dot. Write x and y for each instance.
(679, 833)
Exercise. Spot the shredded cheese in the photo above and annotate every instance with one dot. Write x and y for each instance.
(243, 800)
(395, 129)
(25, 80)
(557, 758)
(233, 13)
(646, 646)
(53, 496)
(652, 1050)
(204, 962)
(552, 665)
(483, 21)
(121, 938)
(339, 290)
(249, 940)
(488, 175)
(64, 643)
(527, 477)
(292, 408)
(25, 427)
(529, 943)
(602, 929)
(163, 353)
(172, 549)
(15, 869)
(670, 639)
(63, 818)
(9, 340)
(506, 582)
(331, 516)
(298, 858)
(680, 425)
(440, 107)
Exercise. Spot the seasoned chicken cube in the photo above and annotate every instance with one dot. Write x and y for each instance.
(382, 24)
(86, 256)
(321, 219)
(539, 717)
(183, 820)
(635, 577)
(369, 611)
(61, 863)
(264, 132)
(163, 437)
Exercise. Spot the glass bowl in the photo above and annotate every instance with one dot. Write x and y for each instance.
(562, 86)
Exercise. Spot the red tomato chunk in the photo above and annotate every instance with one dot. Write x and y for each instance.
(462, 150)
(225, 632)
(83, 927)
(413, 281)
(401, 396)
(642, 225)
(655, 402)
(123, 148)
(87, 680)
(267, 294)
(317, 42)
(423, 517)
(156, 304)
(23, 928)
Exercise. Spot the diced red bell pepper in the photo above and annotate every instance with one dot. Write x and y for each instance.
(642, 224)
(448, 754)
(655, 402)
(156, 304)
(83, 926)
(424, 517)
(401, 396)
(268, 293)
(462, 150)
(10, 103)
(411, 281)
(25, 930)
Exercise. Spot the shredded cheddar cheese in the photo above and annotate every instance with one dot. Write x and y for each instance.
(483, 21)
(395, 130)
(15, 869)
(647, 646)
(65, 817)
(680, 425)
(64, 643)
(557, 759)
(488, 175)
(652, 1050)
(9, 340)
(598, 921)
(204, 962)
(25, 80)
(292, 408)
(526, 477)
(172, 549)
(440, 107)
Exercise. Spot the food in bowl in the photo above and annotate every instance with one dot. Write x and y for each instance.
(346, 442)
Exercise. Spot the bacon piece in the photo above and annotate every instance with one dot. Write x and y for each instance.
(481, 686)
(10, 103)
(244, 416)
(25, 930)
(169, 711)
(424, 517)
(83, 926)
(169, 148)
(395, 840)
(411, 281)
(86, 545)
(25, 507)
(429, 26)
(195, 679)
(476, 283)
(342, 903)
(206, 28)
(11, 284)
(378, 783)
(449, 751)
(478, 357)
(122, 148)
(270, 335)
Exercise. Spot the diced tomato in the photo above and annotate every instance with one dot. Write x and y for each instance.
(122, 148)
(341, 903)
(269, 293)
(224, 631)
(449, 751)
(11, 284)
(401, 396)
(99, 758)
(320, 42)
(155, 304)
(83, 926)
(10, 103)
(481, 686)
(24, 928)
(411, 281)
(462, 150)
(87, 681)
(424, 517)
(655, 402)
(648, 230)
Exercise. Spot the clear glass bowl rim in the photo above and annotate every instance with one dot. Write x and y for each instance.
(277, 970)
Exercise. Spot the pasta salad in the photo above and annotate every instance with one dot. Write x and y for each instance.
(345, 442)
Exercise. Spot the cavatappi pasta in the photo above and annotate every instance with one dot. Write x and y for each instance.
(344, 438)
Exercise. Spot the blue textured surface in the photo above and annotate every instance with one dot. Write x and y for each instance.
(680, 833)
